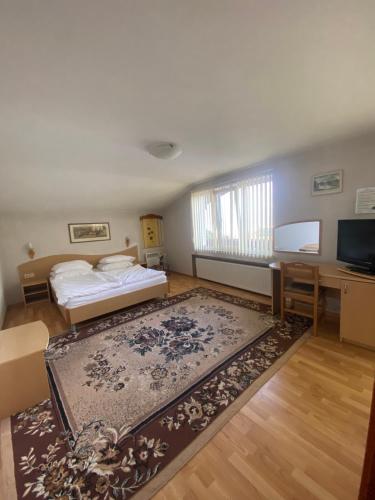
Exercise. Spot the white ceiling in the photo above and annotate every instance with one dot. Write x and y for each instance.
(85, 84)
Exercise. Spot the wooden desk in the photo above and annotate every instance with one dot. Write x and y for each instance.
(357, 294)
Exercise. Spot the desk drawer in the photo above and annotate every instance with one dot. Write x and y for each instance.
(330, 282)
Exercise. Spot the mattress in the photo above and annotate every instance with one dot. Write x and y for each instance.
(78, 290)
(107, 294)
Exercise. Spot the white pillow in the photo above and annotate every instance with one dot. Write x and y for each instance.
(70, 274)
(116, 258)
(114, 265)
(71, 265)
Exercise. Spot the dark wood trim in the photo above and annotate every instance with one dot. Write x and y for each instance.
(367, 489)
(276, 286)
(231, 260)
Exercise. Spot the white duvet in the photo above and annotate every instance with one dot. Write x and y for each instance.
(133, 274)
(93, 283)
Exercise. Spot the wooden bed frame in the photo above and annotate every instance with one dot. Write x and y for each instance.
(41, 268)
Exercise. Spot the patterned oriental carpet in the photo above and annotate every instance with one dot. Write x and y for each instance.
(137, 394)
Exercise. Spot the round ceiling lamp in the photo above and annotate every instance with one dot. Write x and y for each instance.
(164, 150)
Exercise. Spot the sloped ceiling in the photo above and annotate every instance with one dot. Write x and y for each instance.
(85, 84)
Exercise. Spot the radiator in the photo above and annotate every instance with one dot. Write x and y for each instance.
(248, 277)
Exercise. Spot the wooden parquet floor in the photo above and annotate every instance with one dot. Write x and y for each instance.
(302, 436)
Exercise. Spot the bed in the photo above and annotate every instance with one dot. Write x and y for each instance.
(119, 290)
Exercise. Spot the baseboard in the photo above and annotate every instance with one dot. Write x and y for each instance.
(358, 344)
(181, 274)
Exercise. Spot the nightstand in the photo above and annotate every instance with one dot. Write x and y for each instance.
(36, 290)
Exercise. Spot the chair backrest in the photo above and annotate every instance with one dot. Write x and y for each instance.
(299, 272)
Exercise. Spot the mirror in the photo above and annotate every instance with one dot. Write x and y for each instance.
(298, 237)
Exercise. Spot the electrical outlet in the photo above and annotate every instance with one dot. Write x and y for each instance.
(28, 275)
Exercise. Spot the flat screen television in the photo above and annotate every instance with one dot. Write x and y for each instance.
(356, 244)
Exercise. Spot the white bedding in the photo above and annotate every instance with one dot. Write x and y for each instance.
(139, 285)
(98, 285)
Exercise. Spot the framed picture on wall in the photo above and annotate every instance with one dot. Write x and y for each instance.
(327, 183)
(365, 201)
(89, 231)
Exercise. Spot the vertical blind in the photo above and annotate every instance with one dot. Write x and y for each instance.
(235, 219)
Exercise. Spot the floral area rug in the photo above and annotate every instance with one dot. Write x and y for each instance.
(132, 393)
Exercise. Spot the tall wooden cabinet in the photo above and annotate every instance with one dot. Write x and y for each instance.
(152, 230)
(357, 321)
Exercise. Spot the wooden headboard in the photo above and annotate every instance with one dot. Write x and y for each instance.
(41, 268)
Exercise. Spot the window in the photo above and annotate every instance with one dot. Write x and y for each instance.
(235, 219)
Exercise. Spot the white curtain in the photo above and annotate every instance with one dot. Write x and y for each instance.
(235, 219)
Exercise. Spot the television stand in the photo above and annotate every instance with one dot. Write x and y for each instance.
(362, 270)
(358, 271)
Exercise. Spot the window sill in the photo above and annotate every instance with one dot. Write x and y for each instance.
(234, 260)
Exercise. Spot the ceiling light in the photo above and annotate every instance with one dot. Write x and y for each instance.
(164, 150)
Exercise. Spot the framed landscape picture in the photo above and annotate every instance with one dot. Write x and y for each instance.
(327, 183)
(85, 232)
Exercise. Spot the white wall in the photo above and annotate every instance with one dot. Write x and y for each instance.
(292, 196)
(178, 235)
(49, 235)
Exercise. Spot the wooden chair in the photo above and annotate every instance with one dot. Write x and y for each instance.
(300, 291)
